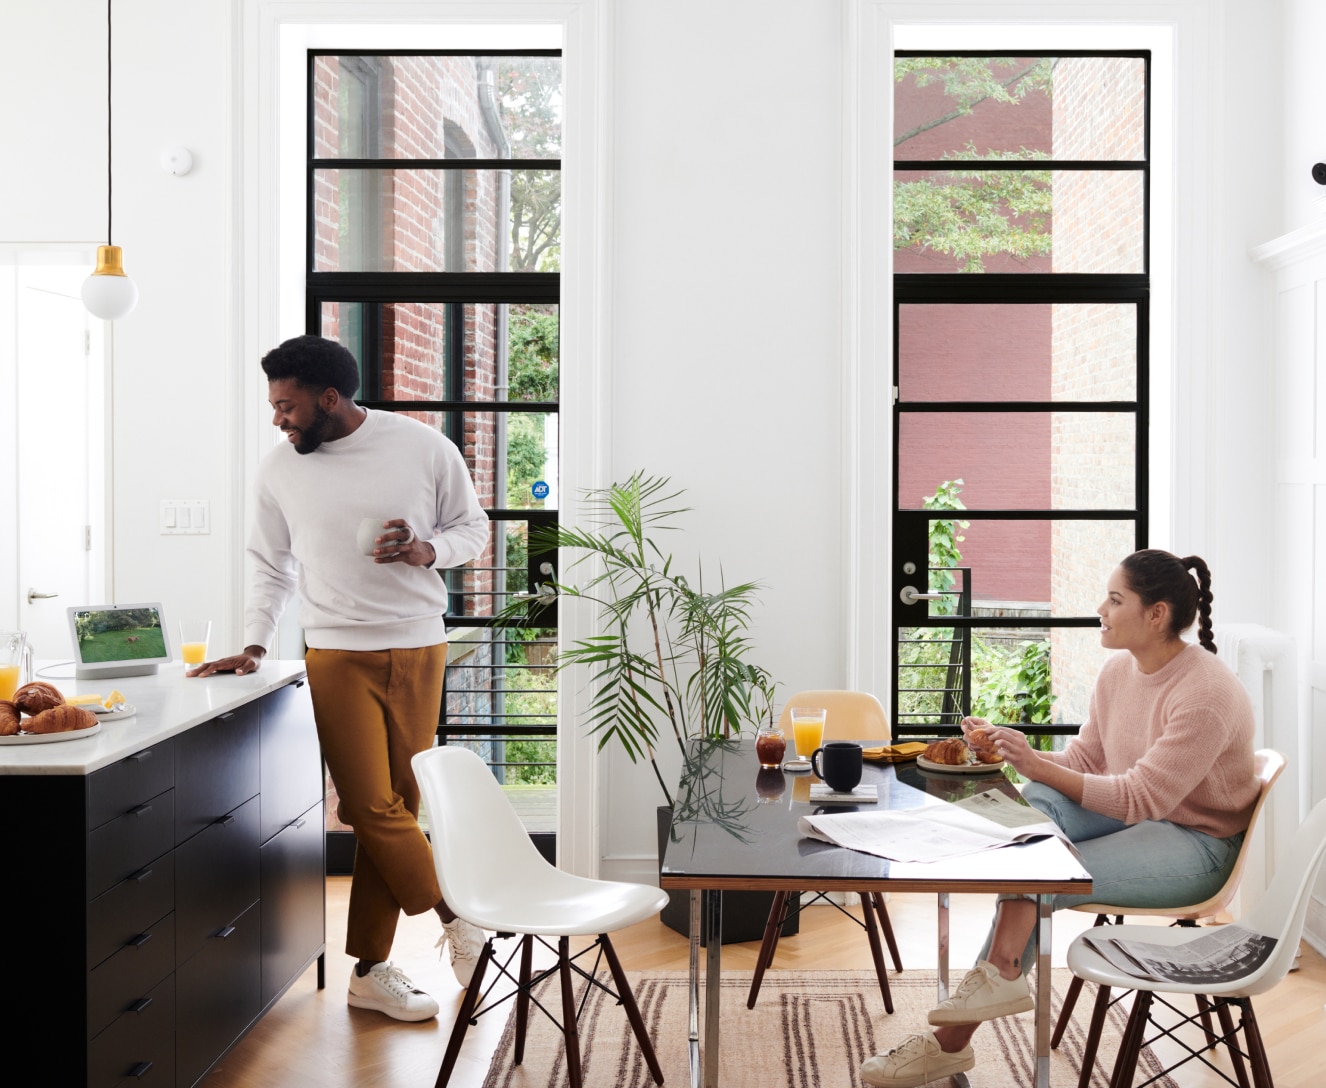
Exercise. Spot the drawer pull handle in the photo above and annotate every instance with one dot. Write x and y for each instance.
(140, 940)
(141, 810)
(299, 683)
(226, 932)
(141, 1006)
(226, 716)
(138, 757)
(139, 1071)
(226, 820)
(140, 876)
(299, 823)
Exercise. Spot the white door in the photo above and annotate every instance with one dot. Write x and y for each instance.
(60, 430)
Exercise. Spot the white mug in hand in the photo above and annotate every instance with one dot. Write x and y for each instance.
(372, 528)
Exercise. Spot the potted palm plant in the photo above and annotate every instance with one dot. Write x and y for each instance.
(669, 662)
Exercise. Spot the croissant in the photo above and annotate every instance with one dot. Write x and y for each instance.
(9, 716)
(982, 747)
(951, 752)
(60, 719)
(37, 696)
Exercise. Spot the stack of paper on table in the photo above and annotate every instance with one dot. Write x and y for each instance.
(931, 833)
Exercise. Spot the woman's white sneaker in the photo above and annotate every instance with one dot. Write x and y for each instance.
(384, 988)
(984, 994)
(915, 1061)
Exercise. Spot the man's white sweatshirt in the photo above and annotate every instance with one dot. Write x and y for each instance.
(308, 508)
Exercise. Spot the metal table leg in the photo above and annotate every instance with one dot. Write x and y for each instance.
(943, 947)
(712, 982)
(693, 998)
(1043, 946)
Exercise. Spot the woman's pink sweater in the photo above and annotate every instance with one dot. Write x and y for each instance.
(1174, 745)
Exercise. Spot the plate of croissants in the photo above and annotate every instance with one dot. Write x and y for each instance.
(39, 714)
(974, 754)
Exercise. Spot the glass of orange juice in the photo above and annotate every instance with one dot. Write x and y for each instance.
(15, 662)
(194, 635)
(807, 729)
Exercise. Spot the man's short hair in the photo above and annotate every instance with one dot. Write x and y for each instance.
(315, 363)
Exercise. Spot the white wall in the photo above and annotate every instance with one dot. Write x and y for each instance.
(726, 301)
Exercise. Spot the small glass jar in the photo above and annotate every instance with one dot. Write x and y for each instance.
(770, 746)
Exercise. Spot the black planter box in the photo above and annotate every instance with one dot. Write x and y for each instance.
(745, 914)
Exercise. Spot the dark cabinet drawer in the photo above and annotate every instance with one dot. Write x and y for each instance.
(216, 877)
(291, 760)
(139, 1047)
(114, 790)
(216, 769)
(129, 842)
(293, 901)
(122, 981)
(217, 996)
(130, 908)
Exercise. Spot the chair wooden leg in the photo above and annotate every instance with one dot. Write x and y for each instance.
(876, 951)
(467, 1006)
(569, 1029)
(1261, 1066)
(887, 926)
(1066, 1012)
(522, 996)
(1097, 1025)
(772, 928)
(632, 1009)
(1131, 1045)
(1204, 1010)
(1232, 1042)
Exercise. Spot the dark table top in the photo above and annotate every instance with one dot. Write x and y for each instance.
(735, 827)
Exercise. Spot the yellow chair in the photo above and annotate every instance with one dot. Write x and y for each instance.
(1267, 765)
(851, 715)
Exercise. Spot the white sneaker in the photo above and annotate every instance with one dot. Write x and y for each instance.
(466, 942)
(386, 989)
(983, 995)
(916, 1061)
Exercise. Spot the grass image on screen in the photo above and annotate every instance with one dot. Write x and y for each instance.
(121, 635)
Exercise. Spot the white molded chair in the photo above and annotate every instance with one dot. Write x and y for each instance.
(1279, 915)
(492, 876)
(1267, 765)
(850, 715)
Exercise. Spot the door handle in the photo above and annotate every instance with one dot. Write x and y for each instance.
(910, 595)
(33, 595)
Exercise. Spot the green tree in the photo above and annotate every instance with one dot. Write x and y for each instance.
(529, 90)
(970, 213)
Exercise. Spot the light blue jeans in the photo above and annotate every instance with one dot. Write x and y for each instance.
(1151, 864)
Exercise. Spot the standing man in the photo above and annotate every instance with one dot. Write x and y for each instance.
(374, 628)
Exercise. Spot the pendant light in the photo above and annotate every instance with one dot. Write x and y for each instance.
(108, 293)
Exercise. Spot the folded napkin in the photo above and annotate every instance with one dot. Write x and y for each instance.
(894, 753)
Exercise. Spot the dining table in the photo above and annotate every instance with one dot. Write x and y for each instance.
(734, 828)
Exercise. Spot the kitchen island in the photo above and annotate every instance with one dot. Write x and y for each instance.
(164, 877)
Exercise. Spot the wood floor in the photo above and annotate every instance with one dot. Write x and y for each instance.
(312, 1039)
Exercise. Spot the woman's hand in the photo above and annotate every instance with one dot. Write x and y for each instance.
(968, 724)
(1012, 745)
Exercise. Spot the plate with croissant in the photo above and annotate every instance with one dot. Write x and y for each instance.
(39, 714)
(956, 755)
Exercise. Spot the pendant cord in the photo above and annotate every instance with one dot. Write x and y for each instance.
(108, 122)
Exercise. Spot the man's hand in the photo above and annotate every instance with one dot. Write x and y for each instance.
(399, 544)
(239, 664)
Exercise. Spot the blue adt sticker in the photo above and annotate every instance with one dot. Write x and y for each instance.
(540, 489)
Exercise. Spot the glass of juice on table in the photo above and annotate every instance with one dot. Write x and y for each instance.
(15, 662)
(193, 641)
(807, 729)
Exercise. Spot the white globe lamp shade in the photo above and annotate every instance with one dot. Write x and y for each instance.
(108, 293)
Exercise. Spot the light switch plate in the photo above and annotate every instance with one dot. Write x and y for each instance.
(185, 517)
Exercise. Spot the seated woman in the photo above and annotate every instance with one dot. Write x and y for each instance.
(1156, 791)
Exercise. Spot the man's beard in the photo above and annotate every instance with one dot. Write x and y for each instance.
(315, 434)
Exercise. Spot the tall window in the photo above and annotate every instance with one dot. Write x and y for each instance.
(434, 231)
(1021, 294)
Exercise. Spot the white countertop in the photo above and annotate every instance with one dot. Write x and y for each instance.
(166, 703)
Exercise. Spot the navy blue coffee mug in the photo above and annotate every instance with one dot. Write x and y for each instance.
(841, 765)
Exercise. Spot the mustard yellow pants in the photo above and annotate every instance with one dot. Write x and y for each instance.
(374, 710)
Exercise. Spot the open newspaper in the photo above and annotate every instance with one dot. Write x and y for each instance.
(1221, 954)
(932, 833)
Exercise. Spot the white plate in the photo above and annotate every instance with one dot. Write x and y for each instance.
(51, 738)
(960, 768)
(126, 711)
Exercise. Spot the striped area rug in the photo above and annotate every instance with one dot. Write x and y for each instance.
(809, 1029)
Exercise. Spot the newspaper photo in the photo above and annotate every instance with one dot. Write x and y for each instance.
(1222, 954)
